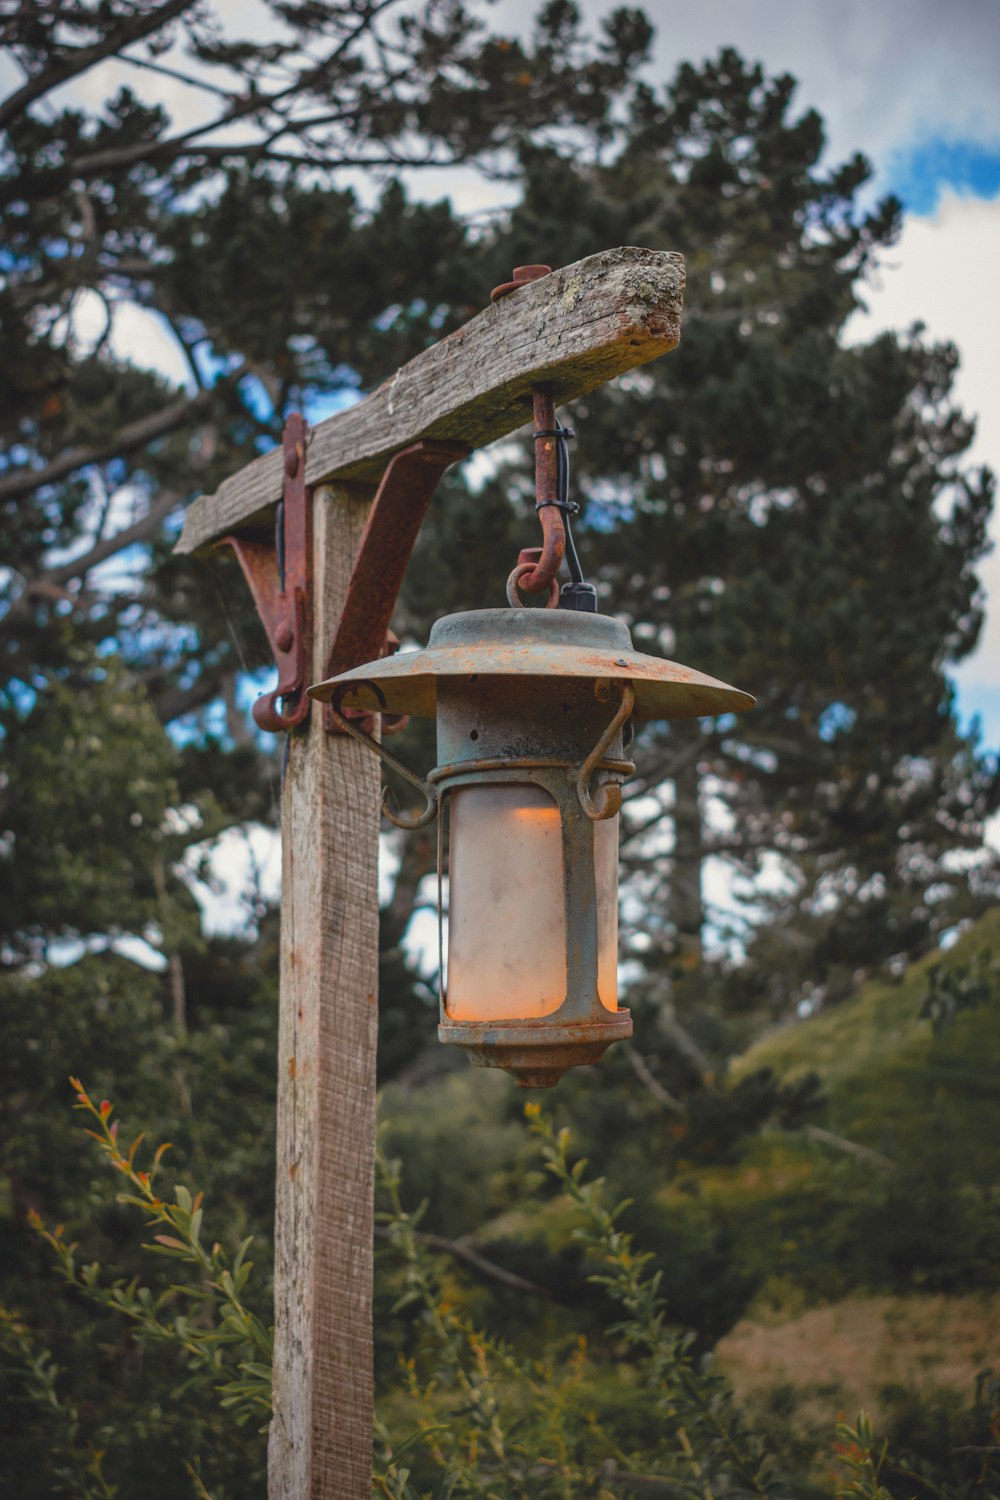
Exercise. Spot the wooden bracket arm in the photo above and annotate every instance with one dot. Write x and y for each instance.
(563, 333)
(394, 521)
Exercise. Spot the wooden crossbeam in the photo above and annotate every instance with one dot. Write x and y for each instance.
(575, 330)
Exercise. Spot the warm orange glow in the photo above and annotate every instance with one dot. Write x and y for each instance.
(506, 918)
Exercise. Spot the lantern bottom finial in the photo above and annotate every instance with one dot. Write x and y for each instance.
(536, 1053)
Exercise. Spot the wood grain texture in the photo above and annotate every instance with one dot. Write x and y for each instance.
(575, 329)
(321, 1434)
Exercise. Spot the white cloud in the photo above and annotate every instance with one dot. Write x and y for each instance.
(229, 875)
(882, 76)
(942, 272)
(238, 869)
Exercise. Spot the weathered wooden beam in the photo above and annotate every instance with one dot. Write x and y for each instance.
(574, 329)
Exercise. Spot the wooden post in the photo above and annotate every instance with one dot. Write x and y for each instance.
(321, 1433)
(572, 331)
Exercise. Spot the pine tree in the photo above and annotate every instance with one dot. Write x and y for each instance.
(122, 710)
(792, 515)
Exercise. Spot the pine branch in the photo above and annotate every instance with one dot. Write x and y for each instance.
(83, 58)
(22, 481)
(253, 103)
(462, 1250)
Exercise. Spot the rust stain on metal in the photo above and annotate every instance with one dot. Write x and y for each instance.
(546, 496)
(279, 573)
(394, 520)
(523, 275)
(532, 643)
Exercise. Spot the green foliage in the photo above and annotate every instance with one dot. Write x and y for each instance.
(632, 1410)
(217, 1332)
(788, 513)
(861, 1463)
(217, 1368)
(74, 1462)
(87, 772)
(950, 991)
(858, 1156)
(945, 1446)
(492, 1426)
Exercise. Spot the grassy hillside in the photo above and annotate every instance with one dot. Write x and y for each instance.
(843, 1042)
(891, 1084)
(877, 1273)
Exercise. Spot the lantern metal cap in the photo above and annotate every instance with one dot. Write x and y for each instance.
(534, 643)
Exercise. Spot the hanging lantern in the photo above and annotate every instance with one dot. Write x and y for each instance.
(534, 711)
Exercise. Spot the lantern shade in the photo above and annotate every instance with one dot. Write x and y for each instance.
(534, 643)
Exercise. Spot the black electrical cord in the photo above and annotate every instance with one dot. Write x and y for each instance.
(563, 502)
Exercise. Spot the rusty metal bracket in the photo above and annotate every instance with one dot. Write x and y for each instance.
(279, 573)
(394, 520)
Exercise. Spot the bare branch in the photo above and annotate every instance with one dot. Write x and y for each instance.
(646, 1076)
(79, 61)
(103, 161)
(462, 1250)
(194, 83)
(174, 702)
(253, 103)
(165, 502)
(23, 481)
(686, 1045)
(851, 1148)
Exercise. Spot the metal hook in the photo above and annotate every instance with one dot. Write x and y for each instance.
(611, 801)
(513, 598)
(429, 790)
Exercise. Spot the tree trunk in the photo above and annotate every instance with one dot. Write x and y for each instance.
(686, 906)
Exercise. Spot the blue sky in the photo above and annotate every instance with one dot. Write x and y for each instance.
(920, 174)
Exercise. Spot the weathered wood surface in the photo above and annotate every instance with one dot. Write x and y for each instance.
(575, 329)
(321, 1433)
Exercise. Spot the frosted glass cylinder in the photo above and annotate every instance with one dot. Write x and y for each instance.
(506, 905)
(507, 938)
